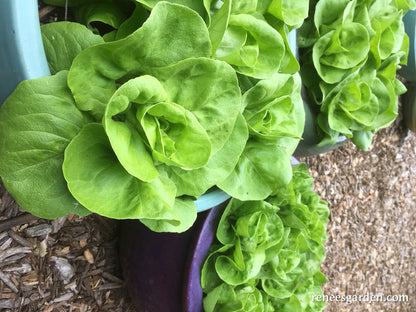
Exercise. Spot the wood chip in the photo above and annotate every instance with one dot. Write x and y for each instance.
(19, 239)
(4, 254)
(88, 256)
(41, 249)
(8, 224)
(45, 11)
(7, 280)
(65, 269)
(65, 297)
(20, 268)
(38, 230)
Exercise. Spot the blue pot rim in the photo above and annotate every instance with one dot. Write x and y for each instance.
(22, 55)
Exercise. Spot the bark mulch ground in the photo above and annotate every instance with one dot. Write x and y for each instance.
(371, 248)
(71, 264)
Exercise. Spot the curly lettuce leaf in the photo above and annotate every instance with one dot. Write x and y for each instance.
(263, 165)
(251, 46)
(196, 182)
(97, 15)
(196, 5)
(131, 24)
(349, 67)
(271, 107)
(341, 51)
(209, 89)
(169, 114)
(291, 12)
(186, 212)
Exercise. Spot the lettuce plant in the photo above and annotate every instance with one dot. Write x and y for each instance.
(273, 110)
(350, 52)
(103, 136)
(250, 35)
(267, 254)
(140, 122)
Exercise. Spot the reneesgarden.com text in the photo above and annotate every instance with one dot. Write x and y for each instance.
(368, 298)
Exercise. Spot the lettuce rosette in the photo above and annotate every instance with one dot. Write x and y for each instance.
(182, 97)
(273, 110)
(350, 52)
(250, 35)
(267, 254)
(117, 133)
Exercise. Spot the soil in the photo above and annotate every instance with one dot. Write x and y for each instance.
(71, 263)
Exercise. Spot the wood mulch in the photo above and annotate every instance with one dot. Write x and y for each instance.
(371, 248)
(71, 263)
(66, 264)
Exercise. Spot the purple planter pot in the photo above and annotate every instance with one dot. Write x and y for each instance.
(162, 270)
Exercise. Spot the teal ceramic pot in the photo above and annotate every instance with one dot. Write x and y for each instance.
(409, 106)
(21, 50)
(409, 73)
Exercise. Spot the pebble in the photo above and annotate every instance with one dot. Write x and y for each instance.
(65, 269)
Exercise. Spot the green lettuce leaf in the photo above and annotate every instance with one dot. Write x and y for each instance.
(341, 51)
(37, 122)
(198, 6)
(290, 12)
(349, 66)
(271, 107)
(186, 212)
(196, 182)
(186, 125)
(251, 46)
(100, 15)
(263, 165)
(96, 178)
(63, 41)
